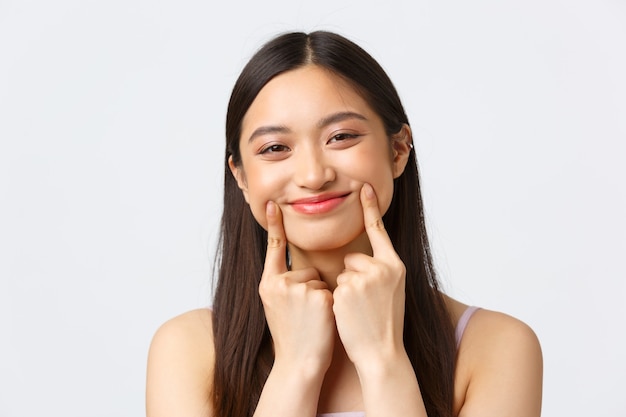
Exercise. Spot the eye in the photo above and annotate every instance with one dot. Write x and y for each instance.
(273, 149)
(340, 137)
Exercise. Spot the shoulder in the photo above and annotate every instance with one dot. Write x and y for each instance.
(494, 336)
(499, 367)
(489, 328)
(180, 366)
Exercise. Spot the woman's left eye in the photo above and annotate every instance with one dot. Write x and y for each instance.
(343, 136)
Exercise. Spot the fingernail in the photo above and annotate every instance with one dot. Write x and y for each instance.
(270, 208)
(369, 191)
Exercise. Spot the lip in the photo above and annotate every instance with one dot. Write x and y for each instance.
(322, 203)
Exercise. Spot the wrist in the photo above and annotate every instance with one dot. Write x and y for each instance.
(382, 365)
(292, 388)
(300, 371)
(392, 378)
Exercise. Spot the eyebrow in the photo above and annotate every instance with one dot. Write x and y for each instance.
(333, 118)
(266, 130)
(339, 117)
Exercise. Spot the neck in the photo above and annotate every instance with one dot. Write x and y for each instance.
(329, 262)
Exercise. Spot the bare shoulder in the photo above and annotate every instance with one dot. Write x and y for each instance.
(492, 335)
(499, 368)
(180, 366)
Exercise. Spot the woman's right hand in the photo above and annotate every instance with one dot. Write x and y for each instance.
(298, 306)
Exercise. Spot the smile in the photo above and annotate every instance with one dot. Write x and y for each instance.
(319, 204)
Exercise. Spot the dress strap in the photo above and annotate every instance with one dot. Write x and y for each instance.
(462, 324)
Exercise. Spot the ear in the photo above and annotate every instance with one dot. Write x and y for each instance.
(240, 177)
(401, 144)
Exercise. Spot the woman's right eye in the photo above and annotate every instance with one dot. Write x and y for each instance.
(274, 149)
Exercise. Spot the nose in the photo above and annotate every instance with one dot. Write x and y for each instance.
(312, 169)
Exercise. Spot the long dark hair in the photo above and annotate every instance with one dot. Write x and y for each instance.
(242, 339)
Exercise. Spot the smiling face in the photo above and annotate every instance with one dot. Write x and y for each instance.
(309, 142)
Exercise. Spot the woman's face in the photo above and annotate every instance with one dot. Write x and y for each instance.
(309, 142)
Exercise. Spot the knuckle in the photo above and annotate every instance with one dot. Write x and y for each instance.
(361, 285)
(323, 298)
(271, 285)
(400, 268)
(377, 224)
(378, 270)
(339, 291)
(264, 289)
(338, 297)
(299, 289)
(274, 242)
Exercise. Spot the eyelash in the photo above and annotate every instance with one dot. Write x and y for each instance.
(275, 148)
(343, 136)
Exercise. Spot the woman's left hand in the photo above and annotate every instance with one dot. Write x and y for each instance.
(369, 298)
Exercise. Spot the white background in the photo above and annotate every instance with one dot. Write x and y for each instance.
(111, 127)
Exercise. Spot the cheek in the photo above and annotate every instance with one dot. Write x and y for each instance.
(258, 211)
(261, 189)
(384, 193)
(257, 206)
(381, 179)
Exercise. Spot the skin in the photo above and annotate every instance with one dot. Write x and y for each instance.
(336, 315)
(309, 150)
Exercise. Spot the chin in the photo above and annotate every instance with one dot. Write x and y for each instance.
(321, 242)
(316, 244)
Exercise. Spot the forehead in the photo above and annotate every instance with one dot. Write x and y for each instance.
(301, 97)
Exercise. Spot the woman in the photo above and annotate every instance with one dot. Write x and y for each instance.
(327, 301)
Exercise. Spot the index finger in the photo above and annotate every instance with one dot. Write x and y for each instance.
(276, 241)
(374, 226)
